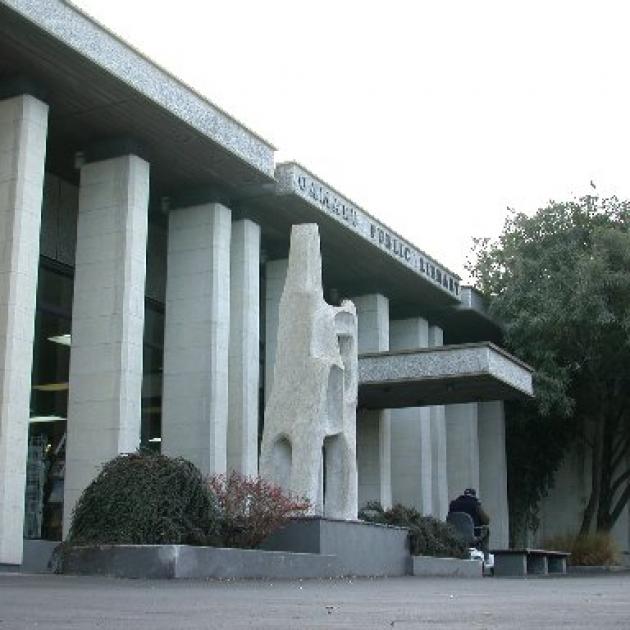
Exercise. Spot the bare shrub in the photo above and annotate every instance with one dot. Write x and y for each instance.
(251, 508)
(594, 549)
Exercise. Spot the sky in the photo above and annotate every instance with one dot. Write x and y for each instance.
(434, 116)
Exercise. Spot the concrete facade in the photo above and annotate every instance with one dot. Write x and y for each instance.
(107, 320)
(244, 348)
(23, 129)
(562, 509)
(196, 336)
(374, 427)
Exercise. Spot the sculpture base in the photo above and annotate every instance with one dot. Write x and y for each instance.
(359, 548)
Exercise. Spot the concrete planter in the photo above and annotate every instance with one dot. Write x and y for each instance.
(305, 548)
(360, 548)
(182, 561)
(446, 567)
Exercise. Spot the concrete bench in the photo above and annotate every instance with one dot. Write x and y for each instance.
(524, 562)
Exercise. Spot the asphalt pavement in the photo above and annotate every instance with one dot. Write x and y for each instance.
(64, 602)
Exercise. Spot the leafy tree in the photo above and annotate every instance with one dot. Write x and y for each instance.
(559, 281)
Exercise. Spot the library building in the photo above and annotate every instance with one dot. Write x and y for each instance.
(145, 237)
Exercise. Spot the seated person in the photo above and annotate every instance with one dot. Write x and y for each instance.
(471, 505)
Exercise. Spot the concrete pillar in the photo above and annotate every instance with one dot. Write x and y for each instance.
(374, 427)
(107, 320)
(244, 348)
(493, 471)
(438, 443)
(196, 336)
(275, 277)
(412, 468)
(23, 129)
(462, 448)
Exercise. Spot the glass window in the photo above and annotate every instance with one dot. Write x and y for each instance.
(153, 357)
(49, 404)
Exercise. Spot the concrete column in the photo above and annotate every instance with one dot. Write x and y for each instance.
(244, 348)
(438, 443)
(23, 129)
(275, 277)
(462, 448)
(493, 471)
(374, 427)
(412, 468)
(107, 320)
(196, 336)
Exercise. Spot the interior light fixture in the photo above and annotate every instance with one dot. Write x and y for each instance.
(62, 340)
(35, 419)
(52, 387)
(155, 440)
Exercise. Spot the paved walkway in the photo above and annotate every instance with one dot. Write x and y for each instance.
(55, 602)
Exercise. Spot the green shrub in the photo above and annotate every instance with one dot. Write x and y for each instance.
(251, 508)
(144, 499)
(595, 549)
(428, 536)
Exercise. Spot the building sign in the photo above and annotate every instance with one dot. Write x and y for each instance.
(294, 179)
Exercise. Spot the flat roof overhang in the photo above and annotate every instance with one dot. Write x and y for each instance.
(99, 88)
(468, 321)
(360, 254)
(441, 376)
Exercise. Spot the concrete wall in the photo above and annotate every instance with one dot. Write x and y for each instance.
(561, 511)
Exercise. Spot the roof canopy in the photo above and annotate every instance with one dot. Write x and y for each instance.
(438, 376)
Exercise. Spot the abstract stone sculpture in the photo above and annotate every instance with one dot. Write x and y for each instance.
(309, 439)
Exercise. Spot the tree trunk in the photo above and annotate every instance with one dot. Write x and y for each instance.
(623, 500)
(596, 469)
(604, 522)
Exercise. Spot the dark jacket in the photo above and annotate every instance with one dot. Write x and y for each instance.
(472, 506)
